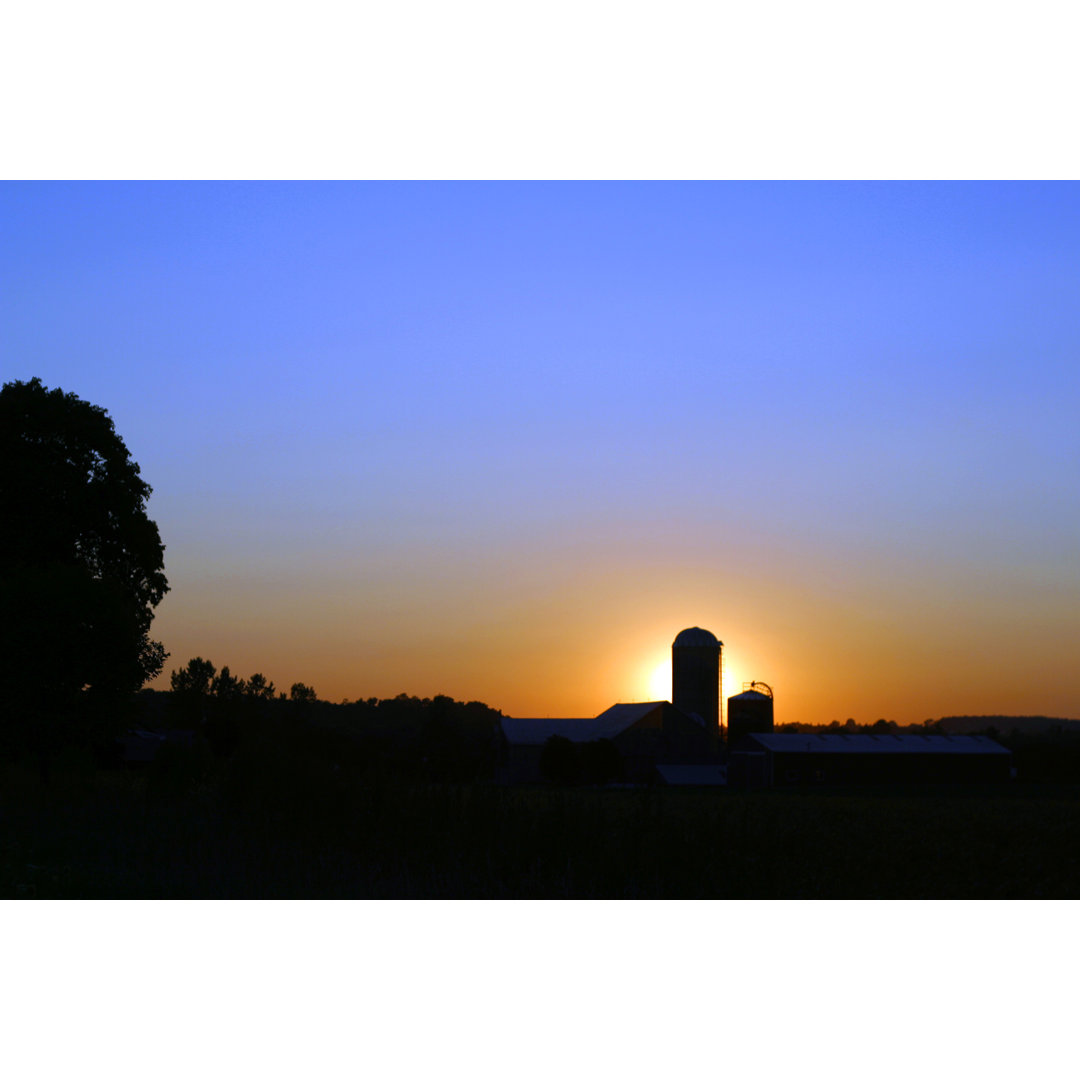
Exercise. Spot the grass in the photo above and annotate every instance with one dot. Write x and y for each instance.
(114, 835)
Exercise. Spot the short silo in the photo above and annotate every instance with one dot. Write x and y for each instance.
(750, 713)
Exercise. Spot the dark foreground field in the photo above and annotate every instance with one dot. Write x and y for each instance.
(114, 835)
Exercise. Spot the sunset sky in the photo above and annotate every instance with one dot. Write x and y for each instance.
(503, 441)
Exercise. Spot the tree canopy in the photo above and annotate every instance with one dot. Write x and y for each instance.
(81, 563)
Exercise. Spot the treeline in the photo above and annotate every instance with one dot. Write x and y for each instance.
(993, 726)
(1005, 725)
(249, 722)
(877, 727)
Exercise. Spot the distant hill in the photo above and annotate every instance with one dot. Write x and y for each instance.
(1027, 725)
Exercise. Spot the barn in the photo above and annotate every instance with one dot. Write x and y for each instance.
(778, 759)
(645, 734)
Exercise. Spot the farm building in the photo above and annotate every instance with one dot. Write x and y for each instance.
(683, 731)
(749, 712)
(692, 775)
(645, 734)
(679, 742)
(782, 758)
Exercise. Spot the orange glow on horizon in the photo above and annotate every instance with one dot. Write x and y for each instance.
(544, 652)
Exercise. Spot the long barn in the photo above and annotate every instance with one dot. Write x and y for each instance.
(786, 758)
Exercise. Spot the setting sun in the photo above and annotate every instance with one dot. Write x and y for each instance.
(658, 686)
(660, 681)
(730, 681)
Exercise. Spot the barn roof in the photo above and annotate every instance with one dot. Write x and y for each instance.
(536, 732)
(626, 714)
(784, 742)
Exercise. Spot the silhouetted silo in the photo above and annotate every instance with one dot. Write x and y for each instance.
(695, 676)
(749, 713)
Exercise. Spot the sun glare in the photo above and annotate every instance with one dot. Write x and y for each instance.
(660, 681)
(731, 683)
(658, 686)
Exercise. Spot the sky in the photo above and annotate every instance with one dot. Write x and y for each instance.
(503, 441)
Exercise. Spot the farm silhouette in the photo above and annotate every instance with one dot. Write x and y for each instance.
(226, 786)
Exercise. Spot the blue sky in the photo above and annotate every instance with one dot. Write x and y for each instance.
(504, 440)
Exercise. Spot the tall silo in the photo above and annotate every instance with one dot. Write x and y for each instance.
(695, 676)
(750, 713)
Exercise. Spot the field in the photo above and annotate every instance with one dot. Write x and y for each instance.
(90, 834)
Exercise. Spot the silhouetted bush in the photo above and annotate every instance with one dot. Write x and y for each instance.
(563, 761)
(559, 763)
(601, 762)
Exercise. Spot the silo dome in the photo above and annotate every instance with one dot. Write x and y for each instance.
(696, 637)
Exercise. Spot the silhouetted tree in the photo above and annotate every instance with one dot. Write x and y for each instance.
(195, 679)
(81, 567)
(302, 694)
(259, 688)
(458, 741)
(191, 691)
(226, 687)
